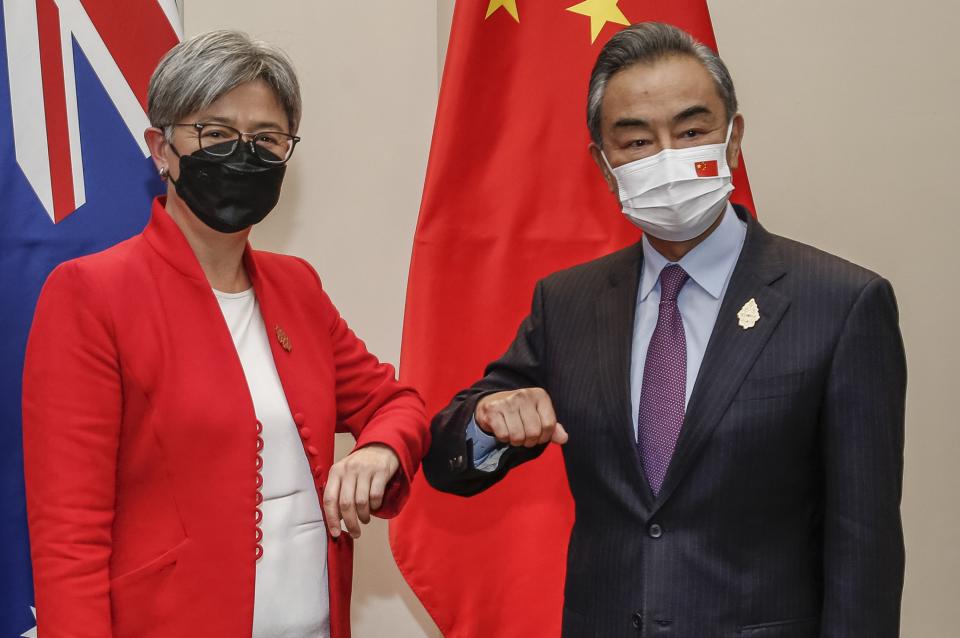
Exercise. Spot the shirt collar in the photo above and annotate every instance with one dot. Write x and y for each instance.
(709, 264)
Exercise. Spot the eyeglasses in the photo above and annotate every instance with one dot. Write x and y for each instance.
(220, 140)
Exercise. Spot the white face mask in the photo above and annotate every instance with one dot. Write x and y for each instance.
(677, 194)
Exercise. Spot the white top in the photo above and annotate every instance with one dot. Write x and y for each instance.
(291, 595)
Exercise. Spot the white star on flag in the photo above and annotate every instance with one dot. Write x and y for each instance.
(31, 633)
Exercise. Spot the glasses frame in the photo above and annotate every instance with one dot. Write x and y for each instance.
(241, 135)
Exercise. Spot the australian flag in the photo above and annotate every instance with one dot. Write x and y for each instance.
(75, 178)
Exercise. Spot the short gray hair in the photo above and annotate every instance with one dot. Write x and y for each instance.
(199, 71)
(647, 42)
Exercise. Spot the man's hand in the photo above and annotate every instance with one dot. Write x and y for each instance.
(520, 417)
(355, 487)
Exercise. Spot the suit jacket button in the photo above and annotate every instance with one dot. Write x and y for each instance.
(637, 620)
(655, 531)
(317, 471)
(304, 433)
(312, 450)
(299, 419)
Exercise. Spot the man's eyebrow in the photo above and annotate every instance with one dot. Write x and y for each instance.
(685, 114)
(691, 112)
(631, 122)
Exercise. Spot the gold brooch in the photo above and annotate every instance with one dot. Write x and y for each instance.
(749, 314)
(283, 339)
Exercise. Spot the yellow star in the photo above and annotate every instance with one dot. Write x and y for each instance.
(600, 12)
(509, 5)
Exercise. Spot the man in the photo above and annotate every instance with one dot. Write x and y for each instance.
(734, 400)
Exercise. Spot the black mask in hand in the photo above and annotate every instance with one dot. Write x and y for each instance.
(229, 193)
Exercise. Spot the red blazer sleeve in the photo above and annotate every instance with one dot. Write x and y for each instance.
(71, 421)
(375, 407)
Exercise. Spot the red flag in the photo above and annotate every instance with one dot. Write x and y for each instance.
(511, 195)
(707, 169)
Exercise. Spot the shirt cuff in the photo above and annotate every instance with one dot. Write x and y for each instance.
(486, 449)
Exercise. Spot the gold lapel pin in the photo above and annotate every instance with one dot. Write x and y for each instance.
(749, 314)
(283, 339)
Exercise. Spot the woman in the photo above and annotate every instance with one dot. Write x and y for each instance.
(181, 393)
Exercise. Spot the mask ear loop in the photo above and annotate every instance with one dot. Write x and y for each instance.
(730, 130)
(606, 161)
(726, 147)
(726, 144)
(613, 175)
(168, 176)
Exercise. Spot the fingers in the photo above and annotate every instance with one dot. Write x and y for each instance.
(356, 487)
(339, 502)
(533, 427)
(378, 487)
(348, 506)
(491, 420)
(331, 501)
(560, 435)
(548, 418)
(362, 498)
(495, 424)
(520, 417)
(514, 427)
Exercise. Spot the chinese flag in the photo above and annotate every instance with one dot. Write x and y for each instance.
(707, 169)
(511, 195)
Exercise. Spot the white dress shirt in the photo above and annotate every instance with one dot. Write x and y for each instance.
(291, 598)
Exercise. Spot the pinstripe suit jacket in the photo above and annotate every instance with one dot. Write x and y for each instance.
(780, 512)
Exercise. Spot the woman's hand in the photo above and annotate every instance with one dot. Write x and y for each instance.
(355, 487)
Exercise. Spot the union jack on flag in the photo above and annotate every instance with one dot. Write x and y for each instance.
(75, 177)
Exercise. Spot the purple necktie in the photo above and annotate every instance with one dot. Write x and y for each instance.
(664, 391)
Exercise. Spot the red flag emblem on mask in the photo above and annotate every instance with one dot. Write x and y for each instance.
(706, 169)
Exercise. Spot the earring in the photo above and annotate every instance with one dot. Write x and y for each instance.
(163, 172)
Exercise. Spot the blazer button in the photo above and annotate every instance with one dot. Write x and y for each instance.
(317, 471)
(304, 433)
(299, 419)
(312, 450)
(637, 620)
(655, 531)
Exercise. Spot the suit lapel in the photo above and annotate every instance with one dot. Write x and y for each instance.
(731, 350)
(616, 307)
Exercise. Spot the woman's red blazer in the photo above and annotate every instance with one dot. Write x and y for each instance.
(140, 440)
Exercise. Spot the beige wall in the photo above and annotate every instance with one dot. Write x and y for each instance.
(851, 146)
(849, 149)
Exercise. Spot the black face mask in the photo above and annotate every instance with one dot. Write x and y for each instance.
(229, 193)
